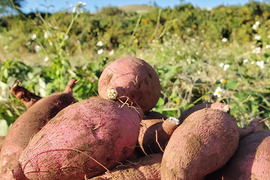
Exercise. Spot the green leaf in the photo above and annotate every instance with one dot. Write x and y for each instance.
(232, 84)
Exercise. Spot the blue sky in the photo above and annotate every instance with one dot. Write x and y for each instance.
(56, 5)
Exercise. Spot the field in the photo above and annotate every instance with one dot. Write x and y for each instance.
(218, 55)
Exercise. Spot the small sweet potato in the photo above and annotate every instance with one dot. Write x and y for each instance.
(146, 168)
(252, 158)
(155, 133)
(220, 106)
(26, 97)
(83, 140)
(203, 143)
(130, 79)
(28, 124)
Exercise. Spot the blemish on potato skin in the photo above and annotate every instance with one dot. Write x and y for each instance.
(109, 78)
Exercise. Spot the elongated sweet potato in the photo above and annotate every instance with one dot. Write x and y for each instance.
(83, 140)
(130, 79)
(146, 168)
(154, 134)
(252, 158)
(28, 124)
(205, 141)
(26, 97)
(220, 106)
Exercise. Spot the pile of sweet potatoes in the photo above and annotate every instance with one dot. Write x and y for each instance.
(117, 135)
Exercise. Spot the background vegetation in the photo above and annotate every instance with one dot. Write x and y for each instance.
(217, 55)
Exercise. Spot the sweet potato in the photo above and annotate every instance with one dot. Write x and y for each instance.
(28, 124)
(221, 106)
(26, 97)
(83, 140)
(252, 158)
(154, 134)
(255, 125)
(130, 79)
(205, 141)
(146, 168)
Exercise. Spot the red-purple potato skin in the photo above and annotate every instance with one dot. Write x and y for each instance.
(83, 140)
(133, 79)
(28, 124)
(252, 158)
(203, 143)
(145, 168)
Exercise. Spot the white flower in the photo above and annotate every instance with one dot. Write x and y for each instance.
(46, 59)
(257, 37)
(80, 4)
(224, 40)
(47, 34)
(257, 50)
(256, 25)
(226, 66)
(66, 37)
(37, 48)
(223, 81)
(219, 92)
(267, 46)
(100, 43)
(77, 8)
(100, 51)
(245, 61)
(5, 47)
(260, 64)
(34, 36)
(111, 53)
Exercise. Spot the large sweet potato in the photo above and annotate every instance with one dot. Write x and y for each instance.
(83, 140)
(252, 158)
(205, 141)
(132, 79)
(146, 168)
(28, 124)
